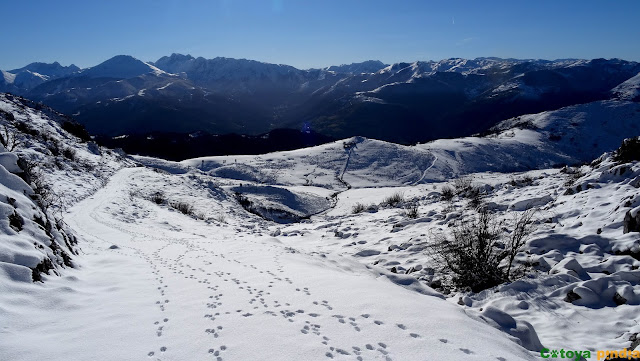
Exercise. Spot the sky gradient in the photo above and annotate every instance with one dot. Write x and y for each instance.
(307, 33)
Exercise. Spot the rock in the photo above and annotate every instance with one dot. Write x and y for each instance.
(632, 221)
(619, 300)
(571, 297)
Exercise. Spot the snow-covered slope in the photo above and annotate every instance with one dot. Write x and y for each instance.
(578, 246)
(73, 168)
(571, 135)
(43, 171)
(629, 90)
(34, 74)
(196, 259)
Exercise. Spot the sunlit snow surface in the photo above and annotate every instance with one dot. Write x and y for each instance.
(180, 289)
(151, 283)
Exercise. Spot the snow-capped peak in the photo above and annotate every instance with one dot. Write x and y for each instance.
(120, 66)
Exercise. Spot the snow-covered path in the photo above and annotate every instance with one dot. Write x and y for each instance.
(180, 289)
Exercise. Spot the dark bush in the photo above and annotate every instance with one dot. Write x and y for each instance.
(15, 221)
(462, 185)
(76, 129)
(476, 196)
(447, 193)
(8, 138)
(412, 211)
(26, 129)
(523, 181)
(158, 198)
(629, 151)
(6, 115)
(69, 153)
(358, 208)
(183, 207)
(479, 254)
(393, 200)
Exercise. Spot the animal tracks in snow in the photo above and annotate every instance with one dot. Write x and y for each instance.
(210, 285)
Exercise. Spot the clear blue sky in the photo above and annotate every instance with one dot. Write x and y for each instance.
(306, 33)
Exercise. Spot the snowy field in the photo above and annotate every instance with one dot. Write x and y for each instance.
(263, 257)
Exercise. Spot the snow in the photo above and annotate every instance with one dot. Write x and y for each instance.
(165, 86)
(629, 90)
(196, 293)
(570, 135)
(8, 77)
(273, 264)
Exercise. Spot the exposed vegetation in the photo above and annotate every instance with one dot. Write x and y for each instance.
(629, 151)
(76, 129)
(183, 207)
(393, 200)
(412, 211)
(447, 193)
(478, 253)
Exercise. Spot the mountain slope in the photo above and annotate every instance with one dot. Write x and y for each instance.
(629, 90)
(121, 67)
(570, 135)
(403, 103)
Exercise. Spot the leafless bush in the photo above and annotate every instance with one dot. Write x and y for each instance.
(183, 207)
(476, 195)
(158, 197)
(523, 225)
(26, 129)
(358, 208)
(32, 175)
(447, 193)
(478, 253)
(573, 174)
(412, 211)
(523, 181)
(8, 138)
(462, 185)
(69, 153)
(393, 200)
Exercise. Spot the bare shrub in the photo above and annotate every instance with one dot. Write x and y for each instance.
(412, 211)
(476, 195)
(629, 151)
(523, 225)
(393, 200)
(69, 153)
(183, 207)
(447, 193)
(158, 197)
(478, 253)
(8, 138)
(26, 129)
(32, 175)
(462, 185)
(523, 181)
(358, 208)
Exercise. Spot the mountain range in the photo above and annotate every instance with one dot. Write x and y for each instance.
(404, 102)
